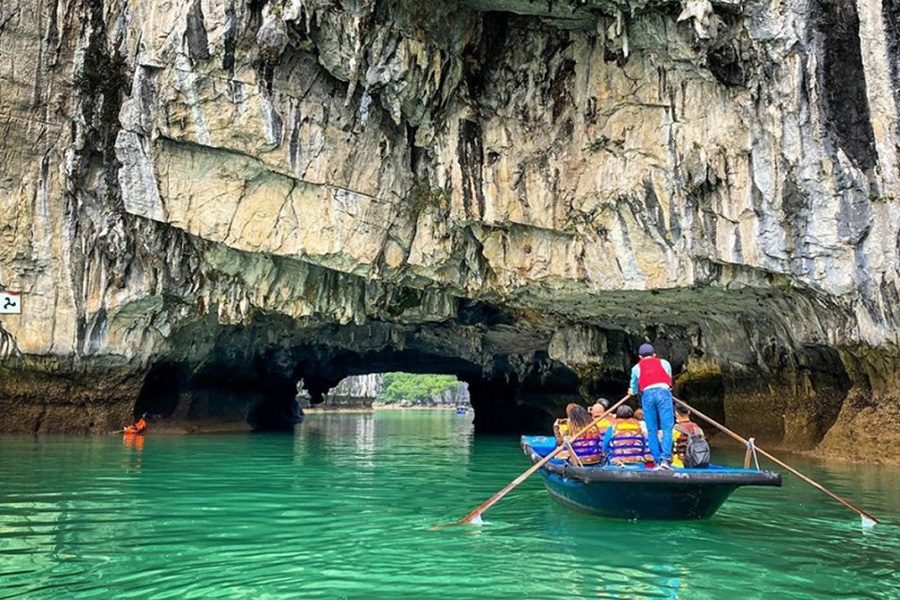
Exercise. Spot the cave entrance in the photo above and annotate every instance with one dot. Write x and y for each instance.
(518, 379)
(270, 389)
(499, 402)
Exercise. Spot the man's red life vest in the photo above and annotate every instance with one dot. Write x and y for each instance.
(651, 373)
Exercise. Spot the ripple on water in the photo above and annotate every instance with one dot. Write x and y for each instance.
(346, 508)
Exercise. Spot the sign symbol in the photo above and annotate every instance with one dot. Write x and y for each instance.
(10, 303)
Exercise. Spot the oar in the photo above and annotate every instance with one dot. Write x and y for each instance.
(867, 519)
(475, 514)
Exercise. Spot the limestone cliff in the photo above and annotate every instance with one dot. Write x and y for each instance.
(356, 391)
(204, 201)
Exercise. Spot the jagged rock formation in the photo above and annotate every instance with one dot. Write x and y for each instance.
(458, 396)
(205, 201)
(356, 391)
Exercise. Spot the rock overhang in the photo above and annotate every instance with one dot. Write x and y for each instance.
(519, 206)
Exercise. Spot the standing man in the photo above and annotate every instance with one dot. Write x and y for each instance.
(652, 378)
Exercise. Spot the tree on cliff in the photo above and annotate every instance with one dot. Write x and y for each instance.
(417, 389)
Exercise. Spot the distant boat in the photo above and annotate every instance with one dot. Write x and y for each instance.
(634, 492)
(461, 410)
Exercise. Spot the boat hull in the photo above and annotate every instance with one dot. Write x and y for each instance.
(638, 501)
(637, 493)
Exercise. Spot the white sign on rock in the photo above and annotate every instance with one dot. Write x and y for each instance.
(10, 303)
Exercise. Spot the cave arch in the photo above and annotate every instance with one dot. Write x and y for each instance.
(248, 372)
(742, 369)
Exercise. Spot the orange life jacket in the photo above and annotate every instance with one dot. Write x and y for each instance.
(605, 423)
(561, 426)
(628, 443)
(588, 448)
(138, 427)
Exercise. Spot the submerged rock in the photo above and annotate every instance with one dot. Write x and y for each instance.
(229, 196)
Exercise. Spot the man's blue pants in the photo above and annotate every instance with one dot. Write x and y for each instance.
(658, 414)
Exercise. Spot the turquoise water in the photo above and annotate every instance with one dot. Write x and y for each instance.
(345, 508)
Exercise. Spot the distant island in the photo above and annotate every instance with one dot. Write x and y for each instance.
(393, 390)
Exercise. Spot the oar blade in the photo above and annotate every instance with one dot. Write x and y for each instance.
(467, 520)
(868, 523)
(473, 518)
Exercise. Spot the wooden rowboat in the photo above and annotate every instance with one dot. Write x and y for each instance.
(634, 492)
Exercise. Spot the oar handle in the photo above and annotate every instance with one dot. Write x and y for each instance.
(778, 462)
(515, 482)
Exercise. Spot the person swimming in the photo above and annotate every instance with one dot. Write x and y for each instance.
(139, 426)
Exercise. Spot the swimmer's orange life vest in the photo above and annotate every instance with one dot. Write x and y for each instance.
(138, 427)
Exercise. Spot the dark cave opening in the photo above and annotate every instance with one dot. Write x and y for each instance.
(258, 387)
(497, 398)
(159, 393)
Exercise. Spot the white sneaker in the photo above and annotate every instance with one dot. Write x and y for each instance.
(663, 466)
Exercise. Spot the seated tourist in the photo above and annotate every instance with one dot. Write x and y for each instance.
(689, 446)
(587, 446)
(598, 409)
(561, 426)
(639, 415)
(623, 442)
(560, 430)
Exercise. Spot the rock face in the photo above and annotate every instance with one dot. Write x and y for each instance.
(204, 201)
(356, 391)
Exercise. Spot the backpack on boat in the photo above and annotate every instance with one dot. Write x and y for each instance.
(696, 451)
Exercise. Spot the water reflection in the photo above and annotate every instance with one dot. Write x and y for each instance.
(133, 441)
(415, 431)
(344, 508)
(134, 445)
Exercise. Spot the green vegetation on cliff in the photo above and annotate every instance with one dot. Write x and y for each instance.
(417, 389)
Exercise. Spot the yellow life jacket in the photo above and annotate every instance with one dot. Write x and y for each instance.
(679, 440)
(628, 444)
